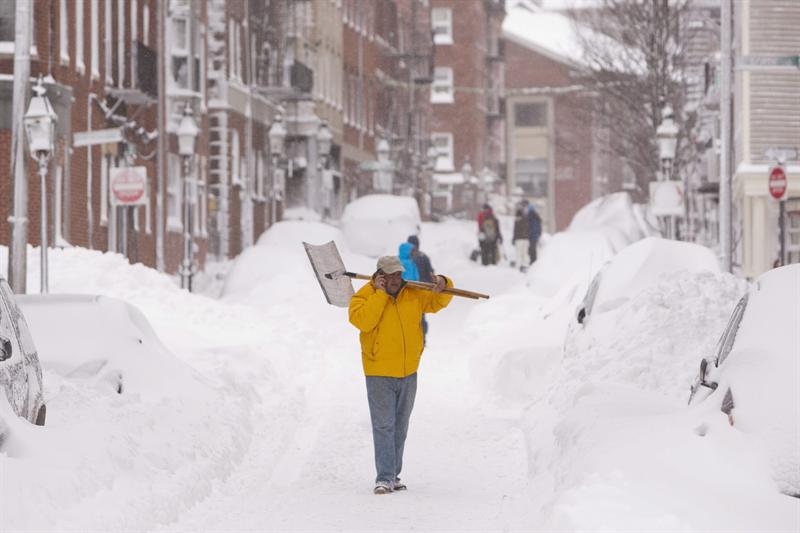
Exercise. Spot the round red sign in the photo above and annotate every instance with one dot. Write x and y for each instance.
(128, 185)
(777, 183)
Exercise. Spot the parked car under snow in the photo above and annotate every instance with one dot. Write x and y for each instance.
(639, 266)
(754, 374)
(20, 371)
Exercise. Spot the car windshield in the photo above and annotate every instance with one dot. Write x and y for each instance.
(725, 343)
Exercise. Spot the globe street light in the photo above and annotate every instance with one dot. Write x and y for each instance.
(40, 127)
(277, 136)
(187, 135)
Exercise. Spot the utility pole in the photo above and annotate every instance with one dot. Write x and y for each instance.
(725, 219)
(162, 137)
(17, 258)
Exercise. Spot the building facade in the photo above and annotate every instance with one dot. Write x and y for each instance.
(767, 132)
(467, 103)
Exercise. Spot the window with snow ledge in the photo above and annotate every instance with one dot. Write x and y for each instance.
(442, 87)
(443, 142)
(442, 23)
(8, 10)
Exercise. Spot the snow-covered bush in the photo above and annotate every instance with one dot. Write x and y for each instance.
(375, 225)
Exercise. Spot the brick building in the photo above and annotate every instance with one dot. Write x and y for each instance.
(467, 105)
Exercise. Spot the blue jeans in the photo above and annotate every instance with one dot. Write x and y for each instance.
(390, 403)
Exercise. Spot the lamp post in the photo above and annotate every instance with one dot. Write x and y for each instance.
(277, 136)
(187, 135)
(40, 126)
(667, 137)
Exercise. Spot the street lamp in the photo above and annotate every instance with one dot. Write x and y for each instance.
(667, 137)
(324, 141)
(277, 136)
(40, 127)
(187, 135)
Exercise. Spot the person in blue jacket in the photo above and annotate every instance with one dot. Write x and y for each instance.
(410, 272)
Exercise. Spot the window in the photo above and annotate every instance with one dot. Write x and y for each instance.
(236, 168)
(442, 22)
(174, 184)
(443, 142)
(235, 50)
(95, 57)
(79, 59)
(261, 174)
(63, 30)
(530, 115)
(8, 24)
(442, 87)
(179, 50)
(531, 175)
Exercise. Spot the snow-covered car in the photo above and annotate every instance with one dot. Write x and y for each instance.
(639, 266)
(753, 376)
(20, 371)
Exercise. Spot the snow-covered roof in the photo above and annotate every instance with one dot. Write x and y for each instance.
(547, 32)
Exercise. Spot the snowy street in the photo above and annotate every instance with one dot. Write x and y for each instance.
(252, 416)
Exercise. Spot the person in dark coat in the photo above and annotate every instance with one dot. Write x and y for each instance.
(521, 239)
(425, 272)
(488, 235)
(534, 228)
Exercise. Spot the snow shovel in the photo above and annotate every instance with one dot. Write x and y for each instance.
(335, 279)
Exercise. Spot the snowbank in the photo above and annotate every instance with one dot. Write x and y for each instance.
(376, 225)
(597, 232)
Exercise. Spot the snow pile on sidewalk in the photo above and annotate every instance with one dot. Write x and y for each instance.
(374, 225)
(137, 431)
(597, 232)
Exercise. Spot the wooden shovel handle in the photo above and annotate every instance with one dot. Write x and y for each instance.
(428, 286)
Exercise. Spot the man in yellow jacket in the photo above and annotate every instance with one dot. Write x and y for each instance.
(388, 315)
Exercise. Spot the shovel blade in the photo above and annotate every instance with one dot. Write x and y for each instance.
(325, 259)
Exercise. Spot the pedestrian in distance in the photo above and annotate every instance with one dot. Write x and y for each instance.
(488, 235)
(535, 229)
(521, 238)
(410, 272)
(426, 274)
(387, 314)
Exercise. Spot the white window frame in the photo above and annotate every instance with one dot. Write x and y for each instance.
(7, 47)
(174, 193)
(80, 64)
(63, 28)
(446, 160)
(179, 49)
(95, 38)
(442, 25)
(442, 91)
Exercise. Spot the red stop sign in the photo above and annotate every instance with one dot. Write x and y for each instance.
(777, 183)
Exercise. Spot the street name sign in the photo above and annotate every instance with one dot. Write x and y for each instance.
(777, 183)
(89, 138)
(128, 186)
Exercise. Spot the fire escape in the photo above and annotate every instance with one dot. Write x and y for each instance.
(494, 87)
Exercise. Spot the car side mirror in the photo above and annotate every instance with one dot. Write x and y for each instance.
(5, 349)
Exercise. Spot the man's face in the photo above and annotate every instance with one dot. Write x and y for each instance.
(394, 282)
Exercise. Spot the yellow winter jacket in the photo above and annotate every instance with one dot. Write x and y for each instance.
(391, 330)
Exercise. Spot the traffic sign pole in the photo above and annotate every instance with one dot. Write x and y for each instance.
(778, 185)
